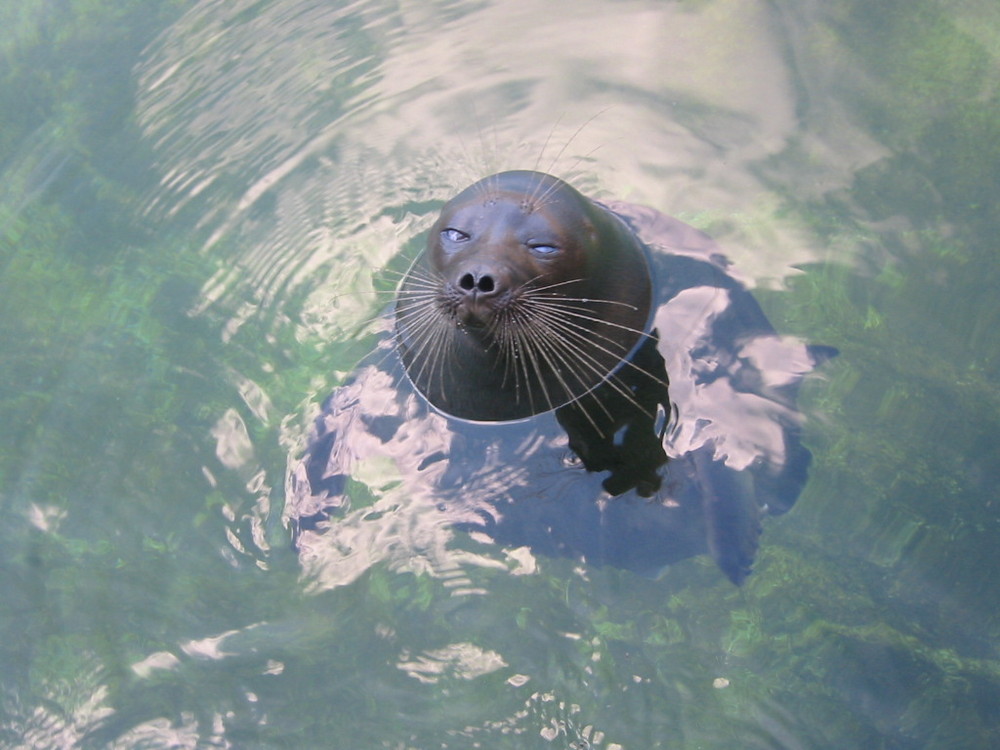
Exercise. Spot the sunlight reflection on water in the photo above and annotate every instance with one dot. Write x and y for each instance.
(298, 151)
(310, 144)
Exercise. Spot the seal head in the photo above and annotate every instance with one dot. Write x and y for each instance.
(528, 296)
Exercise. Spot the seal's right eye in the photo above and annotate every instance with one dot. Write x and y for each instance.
(454, 235)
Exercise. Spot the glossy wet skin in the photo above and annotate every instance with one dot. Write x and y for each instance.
(528, 295)
(486, 245)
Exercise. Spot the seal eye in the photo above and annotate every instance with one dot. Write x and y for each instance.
(543, 250)
(454, 235)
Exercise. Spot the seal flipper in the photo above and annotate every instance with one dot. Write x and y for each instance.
(732, 515)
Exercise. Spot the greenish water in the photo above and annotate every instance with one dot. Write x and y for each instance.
(196, 202)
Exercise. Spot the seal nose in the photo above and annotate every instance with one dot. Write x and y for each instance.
(477, 280)
(481, 288)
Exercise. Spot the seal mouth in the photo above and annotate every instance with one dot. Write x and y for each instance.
(475, 315)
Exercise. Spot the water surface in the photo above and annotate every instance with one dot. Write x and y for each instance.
(198, 205)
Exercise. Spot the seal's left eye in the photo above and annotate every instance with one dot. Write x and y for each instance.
(543, 249)
(454, 235)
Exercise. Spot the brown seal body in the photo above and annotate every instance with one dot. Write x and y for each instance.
(527, 297)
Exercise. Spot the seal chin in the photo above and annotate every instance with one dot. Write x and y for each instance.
(475, 316)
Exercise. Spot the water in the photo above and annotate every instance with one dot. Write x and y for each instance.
(197, 202)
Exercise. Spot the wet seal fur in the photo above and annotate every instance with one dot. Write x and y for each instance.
(527, 297)
(521, 394)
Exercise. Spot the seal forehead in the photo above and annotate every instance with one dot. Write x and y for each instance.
(532, 190)
(511, 211)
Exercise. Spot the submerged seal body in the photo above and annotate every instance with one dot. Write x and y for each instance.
(521, 391)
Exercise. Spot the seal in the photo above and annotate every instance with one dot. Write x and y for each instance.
(528, 292)
(519, 396)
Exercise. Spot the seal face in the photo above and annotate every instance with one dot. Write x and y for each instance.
(528, 296)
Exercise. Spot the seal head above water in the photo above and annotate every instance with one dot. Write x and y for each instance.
(527, 296)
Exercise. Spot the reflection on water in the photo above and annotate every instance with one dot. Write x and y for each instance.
(197, 203)
(424, 118)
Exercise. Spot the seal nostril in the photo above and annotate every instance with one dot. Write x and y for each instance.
(471, 282)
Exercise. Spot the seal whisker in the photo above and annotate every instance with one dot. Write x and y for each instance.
(398, 276)
(539, 198)
(584, 314)
(530, 356)
(541, 293)
(545, 145)
(557, 312)
(574, 137)
(429, 333)
(535, 342)
(422, 277)
(484, 192)
(528, 201)
(412, 319)
(589, 154)
(518, 356)
(395, 271)
(609, 379)
(420, 331)
(503, 333)
(527, 288)
(581, 333)
(547, 336)
(381, 316)
(560, 300)
(553, 347)
(491, 191)
(414, 293)
(585, 336)
(432, 362)
(542, 348)
(565, 333)
(548, 332)
(429, 287)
